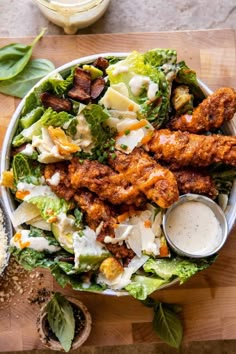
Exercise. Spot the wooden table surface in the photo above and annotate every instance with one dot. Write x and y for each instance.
(209, 298)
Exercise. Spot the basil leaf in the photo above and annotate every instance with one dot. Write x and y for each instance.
(20, 84)
(61, 320)
(168, 325)
(14, 57)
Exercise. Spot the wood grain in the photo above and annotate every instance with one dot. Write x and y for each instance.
(208, 299)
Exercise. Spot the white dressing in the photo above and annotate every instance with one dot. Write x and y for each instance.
(55, 179)
(23, 240)
(139, 82)
(86, 245)
(194, 228)
(28, 150)
(35, 190)
(83, 136)
(48, 150)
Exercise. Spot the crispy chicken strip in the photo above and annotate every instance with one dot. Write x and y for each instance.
(184, 149)
(192, 181)
(103, 181)
(97, 211)
(155, 181)
(211, 113)
(59, 171)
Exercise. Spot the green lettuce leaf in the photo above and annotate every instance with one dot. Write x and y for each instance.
(184, 269)
(49, 118)
(159, 56)
(61, 320)
(142, 286)
(30, 118)
(29, 258)
(95, 115)
(188, 77)
(157, 111)
(25, 169)
(52, 203)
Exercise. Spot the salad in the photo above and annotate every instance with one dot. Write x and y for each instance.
(89, 194)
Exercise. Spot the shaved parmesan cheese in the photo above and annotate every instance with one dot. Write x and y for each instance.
(136, 134)
(23, 213)
(130, 141)
(121, 88)
(41, 224)
(114, 100)
(122, 114)
(121, 233)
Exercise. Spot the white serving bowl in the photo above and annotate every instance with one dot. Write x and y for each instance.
(229, 128)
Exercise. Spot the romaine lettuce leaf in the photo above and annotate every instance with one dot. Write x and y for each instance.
(49, 118)
(49, 205)
(169, 269)
(24, 169)
(158, 57)
(142, 286)
(95, 115)
(29, 258)
(188, 77)
(136, 64)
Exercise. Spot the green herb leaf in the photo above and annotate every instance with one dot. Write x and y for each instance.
(20, 84)
(61, 320)
(14, 57)
(168, 325)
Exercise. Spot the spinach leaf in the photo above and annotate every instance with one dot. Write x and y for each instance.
(168, 325)
(15, 56)
(61, 320)
(166, 322)
(20, 84)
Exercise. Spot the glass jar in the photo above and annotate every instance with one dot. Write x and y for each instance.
(73, 14)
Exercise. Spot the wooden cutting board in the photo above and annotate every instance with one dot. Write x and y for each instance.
(209, 298)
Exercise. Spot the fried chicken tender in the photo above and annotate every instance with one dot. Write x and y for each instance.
(97, 211)
(184, 149)
(103, 181)
(63, 189)
(150, 178)
(192, 181)
(210, 114)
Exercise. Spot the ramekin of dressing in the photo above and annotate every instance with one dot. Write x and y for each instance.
(195, 226)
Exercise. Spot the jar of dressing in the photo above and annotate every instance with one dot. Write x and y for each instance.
(73, 14)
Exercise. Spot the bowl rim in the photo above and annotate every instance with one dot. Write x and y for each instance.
(7, 200)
